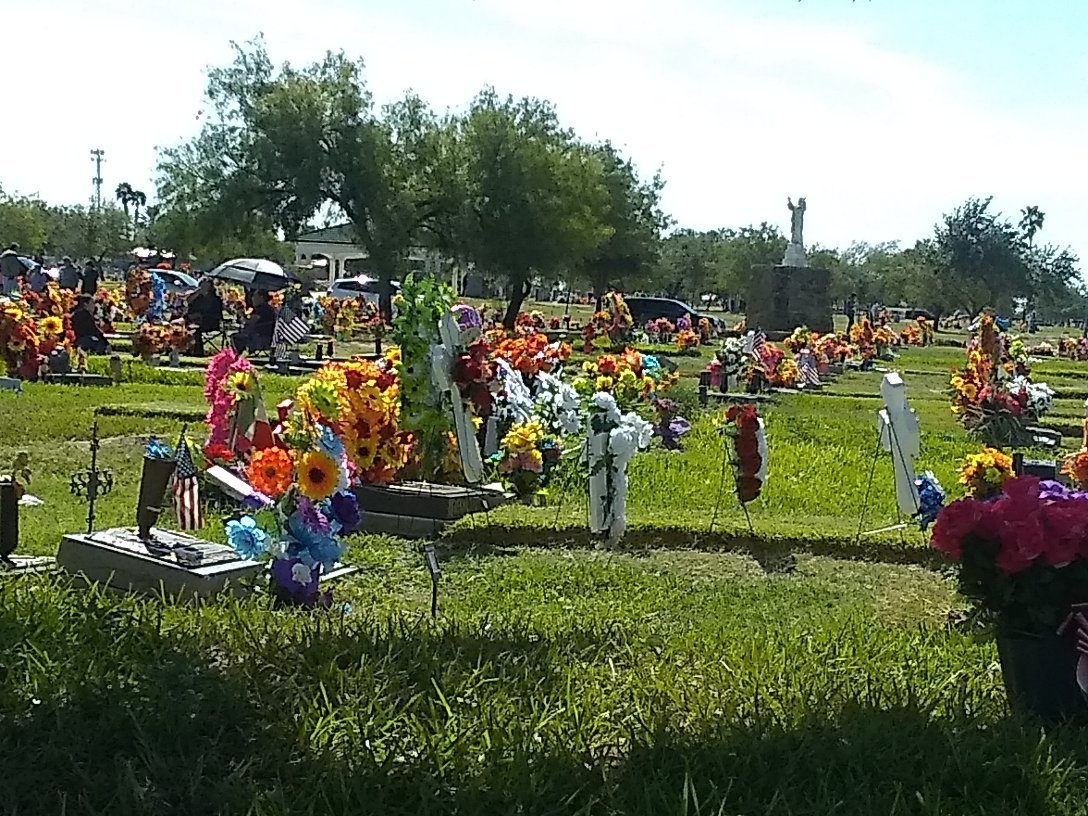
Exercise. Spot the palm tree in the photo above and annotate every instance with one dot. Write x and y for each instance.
(138, 199)
(123, 194)
(1031, 221)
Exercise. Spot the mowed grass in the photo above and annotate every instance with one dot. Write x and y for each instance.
(700, 670)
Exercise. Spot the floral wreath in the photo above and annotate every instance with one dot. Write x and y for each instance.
(743, 425)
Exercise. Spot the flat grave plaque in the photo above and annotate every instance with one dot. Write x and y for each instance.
(187, 567)
(440, 502)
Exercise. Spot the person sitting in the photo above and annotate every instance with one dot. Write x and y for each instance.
(256, 334)
(88, 336)
(204, 312)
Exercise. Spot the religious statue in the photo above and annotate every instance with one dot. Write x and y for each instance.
(797, 220)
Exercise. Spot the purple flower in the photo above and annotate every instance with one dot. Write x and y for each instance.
(345, 509)
(312, 517)
(467, 317)
(285, 573)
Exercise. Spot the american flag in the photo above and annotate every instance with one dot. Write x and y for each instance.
(289, 331)
(806, 364)
(759, 340)
(187, 490)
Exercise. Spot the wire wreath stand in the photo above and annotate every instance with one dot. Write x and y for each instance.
(900, 525)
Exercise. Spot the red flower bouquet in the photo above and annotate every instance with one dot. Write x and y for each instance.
(742, 423)
(1023, 557)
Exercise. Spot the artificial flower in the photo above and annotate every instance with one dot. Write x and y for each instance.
(345, 509)
(318, 475)
(246, 537)
(271, 471)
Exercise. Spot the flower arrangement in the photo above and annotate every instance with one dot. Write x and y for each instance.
(55, 301)
(148, 340)
(993, 394)
(775, 367)
(177, 336)
(610, 327)
(530, 353)
(862, 337)
(732, 358)
(931, 498)
(1023, 556)
(108, 308)
(139, 291)
(1076, 468)
(474, 375)
(18, 339)
(526, 458)
(660, 330)
(553, 323)
(831, 347)
(629, 377)
(704, 330)
(686, 340)
(669, 426)
(234, 300)
(360, 400)
(884, 339)
(742, 425)
(985, 472)
(801, 338)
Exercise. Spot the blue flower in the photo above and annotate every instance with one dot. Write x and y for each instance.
(331, 444)
(157, 450)
(158, 298)
(312, 547)
(651, 366)
(246, 538)
(931, 498)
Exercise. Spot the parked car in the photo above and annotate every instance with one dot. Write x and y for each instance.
(644, 309)
(362, 286)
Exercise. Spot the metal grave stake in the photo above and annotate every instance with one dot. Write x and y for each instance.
(93, 482)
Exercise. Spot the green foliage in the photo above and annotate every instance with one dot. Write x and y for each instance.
(536, 198)
(81, 232)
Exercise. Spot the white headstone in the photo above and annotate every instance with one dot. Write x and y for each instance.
(900, 435)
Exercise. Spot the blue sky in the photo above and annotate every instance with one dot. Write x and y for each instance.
(883, 113)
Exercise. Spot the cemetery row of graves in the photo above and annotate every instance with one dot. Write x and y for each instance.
(675, 573)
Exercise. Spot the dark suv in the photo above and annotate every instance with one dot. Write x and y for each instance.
(645, 309)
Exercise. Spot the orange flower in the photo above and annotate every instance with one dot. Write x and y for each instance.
(271, 472)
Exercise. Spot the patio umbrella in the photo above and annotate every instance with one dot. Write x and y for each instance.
(255, 273)
(176, 281)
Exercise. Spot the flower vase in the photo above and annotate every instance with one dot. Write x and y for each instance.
(1040, 674)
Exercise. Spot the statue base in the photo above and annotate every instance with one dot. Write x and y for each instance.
(189, 567)
(781, 298)
(795, 257)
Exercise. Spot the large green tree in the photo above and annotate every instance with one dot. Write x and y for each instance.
(286, 143)
(536, 199)
(635, 220)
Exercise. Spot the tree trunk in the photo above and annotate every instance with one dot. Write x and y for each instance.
(517, 297)
(385, 297)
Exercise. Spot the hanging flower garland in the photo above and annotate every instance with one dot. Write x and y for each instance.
(744, 427)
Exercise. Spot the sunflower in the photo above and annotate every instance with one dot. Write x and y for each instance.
(240, 383)
(317, 476)
(270, 471)
(51, 326)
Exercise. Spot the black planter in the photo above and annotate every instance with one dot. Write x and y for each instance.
(1041, 677)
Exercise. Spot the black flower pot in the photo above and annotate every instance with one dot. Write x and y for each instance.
(1041, 677)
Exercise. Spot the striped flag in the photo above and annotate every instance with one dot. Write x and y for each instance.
(806, 364)
(187, 490)
(289, 331)
(759, 340)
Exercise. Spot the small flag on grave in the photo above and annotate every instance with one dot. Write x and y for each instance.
(759, 340)
(289, 331)
(806, 364)
(187, 490)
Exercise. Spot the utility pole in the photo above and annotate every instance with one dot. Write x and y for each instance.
(96, 156)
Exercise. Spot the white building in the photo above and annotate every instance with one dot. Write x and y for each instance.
(336, 250)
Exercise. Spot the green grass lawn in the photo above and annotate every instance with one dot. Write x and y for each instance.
(698, 670)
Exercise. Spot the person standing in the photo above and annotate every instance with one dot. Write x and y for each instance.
(851, 311)
(90, 278)
(11, 269)
(69, 274)
(36, 279)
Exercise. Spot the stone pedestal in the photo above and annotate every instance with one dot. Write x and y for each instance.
(781, 298)
(190, 567)
(423, 509)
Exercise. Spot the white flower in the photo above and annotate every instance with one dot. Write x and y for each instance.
(301, 574)
(605, 403)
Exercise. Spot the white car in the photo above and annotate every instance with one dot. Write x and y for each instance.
(362, 286)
